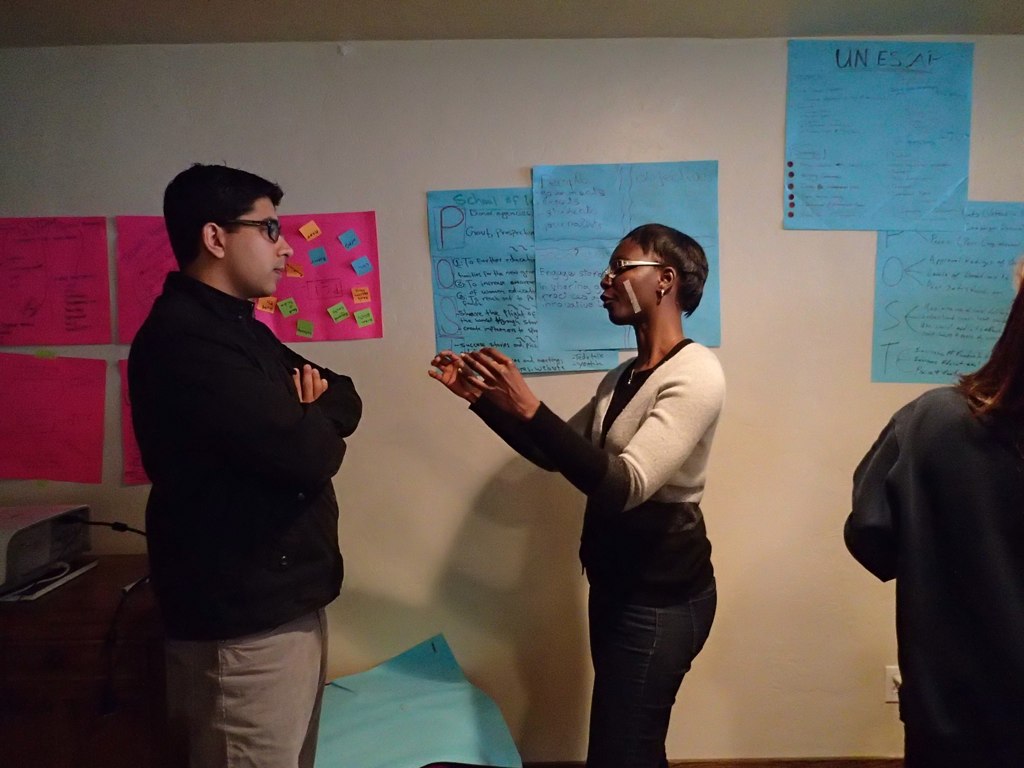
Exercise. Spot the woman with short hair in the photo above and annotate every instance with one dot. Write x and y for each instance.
(639, 451)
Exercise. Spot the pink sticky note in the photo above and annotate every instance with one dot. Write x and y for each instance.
(51, 425)
(56, 282)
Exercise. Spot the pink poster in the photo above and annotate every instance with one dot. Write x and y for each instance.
(58, 288)
(51, 425)
(131, 458)
(331, 289)
(144, 258)
(330, 292)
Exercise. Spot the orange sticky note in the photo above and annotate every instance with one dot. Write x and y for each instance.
(292, 270)
(309, 230)
(360, 294)
(266, 304)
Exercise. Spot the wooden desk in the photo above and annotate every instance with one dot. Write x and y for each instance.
(69, 696)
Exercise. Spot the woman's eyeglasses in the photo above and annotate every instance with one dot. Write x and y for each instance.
(271, 226)
(618, 266)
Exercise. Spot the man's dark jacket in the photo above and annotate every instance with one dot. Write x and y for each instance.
(242, 518)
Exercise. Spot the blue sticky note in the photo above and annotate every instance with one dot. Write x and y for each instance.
(317, 256)
(362, 265)
(349, 239)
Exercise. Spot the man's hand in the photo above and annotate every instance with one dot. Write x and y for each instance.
(308, 384)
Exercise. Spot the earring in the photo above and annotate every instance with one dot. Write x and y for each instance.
(661, 294)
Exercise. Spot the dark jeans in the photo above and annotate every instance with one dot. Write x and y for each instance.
(640, 655)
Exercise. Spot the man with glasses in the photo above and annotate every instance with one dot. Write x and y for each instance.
(241, 438)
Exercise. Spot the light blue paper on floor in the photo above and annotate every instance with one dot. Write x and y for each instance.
(412, 710)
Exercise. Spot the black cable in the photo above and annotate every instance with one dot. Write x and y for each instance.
(108, 698)
(115, 525)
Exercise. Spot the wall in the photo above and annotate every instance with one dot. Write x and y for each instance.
(443, 528)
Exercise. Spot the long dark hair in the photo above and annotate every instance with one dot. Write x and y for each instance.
(995, 391)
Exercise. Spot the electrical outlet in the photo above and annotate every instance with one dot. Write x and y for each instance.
(893, 681)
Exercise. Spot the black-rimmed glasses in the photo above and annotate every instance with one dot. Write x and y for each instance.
(618, 266)
(271, 226)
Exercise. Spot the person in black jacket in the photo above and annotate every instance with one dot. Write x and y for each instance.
(241, 438)
(938, 504)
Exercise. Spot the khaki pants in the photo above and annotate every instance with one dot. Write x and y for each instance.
(248, 702)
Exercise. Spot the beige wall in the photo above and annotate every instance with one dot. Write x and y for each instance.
(444, 529)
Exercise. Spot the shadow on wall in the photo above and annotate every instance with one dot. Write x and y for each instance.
(513, 579)
(537, 604)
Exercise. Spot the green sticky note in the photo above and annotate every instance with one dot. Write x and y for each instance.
(288, 307)
(364, 317)
(304, 328)
(338, 312)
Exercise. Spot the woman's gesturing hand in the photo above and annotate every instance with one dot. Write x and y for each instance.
(448, 367)
(498, 378)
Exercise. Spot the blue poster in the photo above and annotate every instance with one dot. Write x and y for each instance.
(582, 211)
(941, 298)
(877, 135)
(483, 275)
(412, 710)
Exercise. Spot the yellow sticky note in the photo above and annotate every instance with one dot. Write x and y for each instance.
(309, 230)
(292, 270)
(266, 304)
(360, 294)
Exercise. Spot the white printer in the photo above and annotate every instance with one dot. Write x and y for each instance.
(34, 540)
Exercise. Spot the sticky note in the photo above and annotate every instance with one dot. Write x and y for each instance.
(266, 304)
(309, 230)
(338, 312)
(364, 317)
(318, 256)
(349, 239)
(292, 270)
(288, 307)
(362, 265)
(360, 294)
(304, 328)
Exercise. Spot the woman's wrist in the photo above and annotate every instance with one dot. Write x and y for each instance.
(529, 410)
